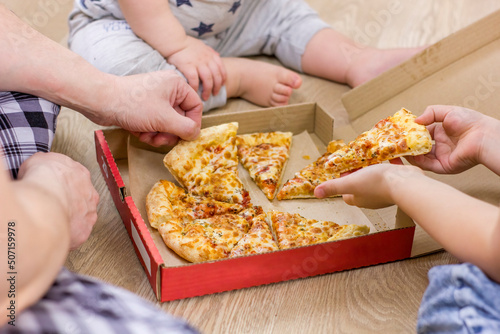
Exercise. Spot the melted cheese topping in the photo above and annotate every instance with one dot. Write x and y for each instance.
(293, 230)
(264, 155)
(171, 202)
(392, 137)
(258, 239)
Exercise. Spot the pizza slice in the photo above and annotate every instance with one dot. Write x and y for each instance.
(208, 165)
(307, 179)
(265, 155)
(396, 136)
(166, 201)
(293, 230)
(197, 228)
(204, 239)
(258, 239)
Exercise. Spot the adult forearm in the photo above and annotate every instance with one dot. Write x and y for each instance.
(39, 239)
(34, 64)
(463, 225)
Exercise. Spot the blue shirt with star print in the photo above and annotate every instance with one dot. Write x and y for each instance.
(202, 19)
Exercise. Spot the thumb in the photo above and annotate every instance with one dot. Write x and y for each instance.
(183, 126)
(327, 189)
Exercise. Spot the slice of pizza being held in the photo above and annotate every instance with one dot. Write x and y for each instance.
(265, 155)
(208, 165)
(396, 136)
(393, 137)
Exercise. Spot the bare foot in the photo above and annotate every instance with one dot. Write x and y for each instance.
(371, 62)
(261, 83)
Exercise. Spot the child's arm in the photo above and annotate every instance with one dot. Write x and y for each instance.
(466, 227)
(153, 21)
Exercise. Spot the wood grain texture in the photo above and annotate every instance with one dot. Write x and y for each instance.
(378, 299)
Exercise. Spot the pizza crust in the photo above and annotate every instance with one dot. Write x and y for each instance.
(393, 137)
(158, 207)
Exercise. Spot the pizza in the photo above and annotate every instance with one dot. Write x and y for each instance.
(265, 155)
(197, 228)
(293, 230)
(211, 217)
(202, 229)
(259, 239)
(208, 165)
(395, 136)
(306, 180)
(166, 201)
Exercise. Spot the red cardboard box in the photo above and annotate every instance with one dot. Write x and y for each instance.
(131, 168)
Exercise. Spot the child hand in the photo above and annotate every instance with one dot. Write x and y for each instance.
(458, 134)
(369, 187)
(199, 62)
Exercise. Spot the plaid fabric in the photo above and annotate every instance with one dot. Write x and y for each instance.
(27, 126)
(79, 304)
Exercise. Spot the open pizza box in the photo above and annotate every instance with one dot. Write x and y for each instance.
(463, 69)
(131, 169)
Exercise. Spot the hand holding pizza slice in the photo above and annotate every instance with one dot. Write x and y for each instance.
(396, 136)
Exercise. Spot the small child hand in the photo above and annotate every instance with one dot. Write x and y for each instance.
(458, 134)
(199, 62)
(368, 187)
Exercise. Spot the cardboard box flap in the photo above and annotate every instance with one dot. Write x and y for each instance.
(462, 69)
(366, 97)
(294, 118)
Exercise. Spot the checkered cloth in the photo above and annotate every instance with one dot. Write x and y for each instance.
(74, 303)
(27, 126)
(78, 304)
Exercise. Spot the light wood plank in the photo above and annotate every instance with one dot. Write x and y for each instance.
(382, 298)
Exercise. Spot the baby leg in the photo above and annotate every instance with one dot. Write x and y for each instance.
(333, 56)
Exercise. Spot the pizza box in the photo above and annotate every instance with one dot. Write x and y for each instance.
(462, 69)
(131, 168)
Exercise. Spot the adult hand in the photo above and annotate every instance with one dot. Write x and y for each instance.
(459, 138)
(199, 62)
(369, 187)
(69, 183)
(158, 107)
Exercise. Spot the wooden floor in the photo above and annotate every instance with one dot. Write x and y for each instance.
(379, 299)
